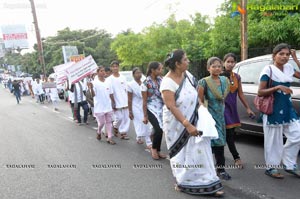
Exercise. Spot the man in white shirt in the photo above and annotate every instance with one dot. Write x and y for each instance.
(39, 91)
(119, 100)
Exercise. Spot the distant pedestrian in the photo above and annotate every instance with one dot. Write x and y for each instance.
(89, 97)
(79, 89)
(9, 85)
(71, 100)
(53, 94)
(16, 88)
(39, 91)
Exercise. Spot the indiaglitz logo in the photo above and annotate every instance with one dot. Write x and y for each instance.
(267, 9)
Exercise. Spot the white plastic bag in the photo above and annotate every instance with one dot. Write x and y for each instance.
(206, 124)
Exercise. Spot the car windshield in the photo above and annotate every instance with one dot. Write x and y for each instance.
(250, 71)
(296, 82)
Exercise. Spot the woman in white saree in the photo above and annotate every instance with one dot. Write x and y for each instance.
(135, 99)
(190, 156)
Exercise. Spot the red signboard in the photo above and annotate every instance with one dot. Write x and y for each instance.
(14, 36)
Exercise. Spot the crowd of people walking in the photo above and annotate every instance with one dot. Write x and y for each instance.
(174, 104)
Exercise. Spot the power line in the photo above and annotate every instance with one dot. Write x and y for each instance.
(78, 40)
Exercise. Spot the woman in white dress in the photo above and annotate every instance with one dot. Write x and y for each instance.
(276, 79)
(135, 101)
(101, 91)
(190, 156)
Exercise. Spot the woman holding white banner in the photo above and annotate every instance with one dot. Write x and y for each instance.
(190, 156)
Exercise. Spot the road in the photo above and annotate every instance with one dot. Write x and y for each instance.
(59, 159)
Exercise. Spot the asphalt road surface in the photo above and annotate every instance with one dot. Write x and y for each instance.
(44, 154)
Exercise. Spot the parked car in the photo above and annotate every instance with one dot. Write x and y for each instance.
(129, 77)
(249, 70)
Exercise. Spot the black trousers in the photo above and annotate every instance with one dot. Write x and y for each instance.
(41, 98)
(158, 132)
(220, 157)
(85, 108)
(230, 139)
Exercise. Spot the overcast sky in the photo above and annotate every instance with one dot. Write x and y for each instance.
(112, 15)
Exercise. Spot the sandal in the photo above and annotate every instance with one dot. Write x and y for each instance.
(149, 147)
(154, 154)
(238, 163)
(224, 175)
(116, 132)
(124, 137)
(110, 142)
(274, 173)
(98, 136)
(294, 171)
(139, 141)
(162, 156)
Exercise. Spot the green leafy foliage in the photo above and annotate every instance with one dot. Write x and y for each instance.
(199, 37)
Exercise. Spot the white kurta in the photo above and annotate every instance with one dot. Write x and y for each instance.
(53, 93)
(193, 166)
(34, 85)
(102, 101)
(119, 87)
(38, 88)
(141, 129)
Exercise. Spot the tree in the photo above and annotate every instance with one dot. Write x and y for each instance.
(90, 42)
(157, 40)
(131, 48)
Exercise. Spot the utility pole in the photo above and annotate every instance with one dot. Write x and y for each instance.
(244, 32)
(38, 37)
